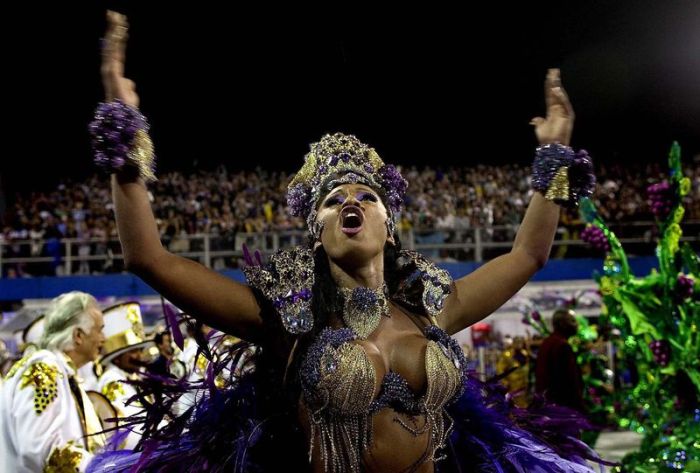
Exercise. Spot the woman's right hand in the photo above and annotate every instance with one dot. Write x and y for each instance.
(113, 57)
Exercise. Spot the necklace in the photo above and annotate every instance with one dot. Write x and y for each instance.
(363, 308)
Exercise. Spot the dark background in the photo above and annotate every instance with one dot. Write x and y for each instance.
(424, 84)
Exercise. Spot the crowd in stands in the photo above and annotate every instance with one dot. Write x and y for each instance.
(442, 205)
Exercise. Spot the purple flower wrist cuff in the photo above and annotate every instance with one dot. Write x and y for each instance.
(561, 175)
(120, 139)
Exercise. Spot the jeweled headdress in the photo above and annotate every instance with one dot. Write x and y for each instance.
(342, 159)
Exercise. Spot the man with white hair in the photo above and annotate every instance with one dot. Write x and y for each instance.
(47, 422)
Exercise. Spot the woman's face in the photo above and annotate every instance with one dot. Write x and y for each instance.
(354, 223)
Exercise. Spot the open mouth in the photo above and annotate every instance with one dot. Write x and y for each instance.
(351, 219)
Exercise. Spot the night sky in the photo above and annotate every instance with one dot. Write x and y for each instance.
(426, 84)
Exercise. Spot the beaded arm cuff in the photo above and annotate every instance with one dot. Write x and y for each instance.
(561, 175)
(120, 139)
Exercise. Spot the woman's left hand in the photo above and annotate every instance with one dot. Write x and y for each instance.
(559, 124)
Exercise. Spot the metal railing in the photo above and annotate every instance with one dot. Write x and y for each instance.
(72, 256)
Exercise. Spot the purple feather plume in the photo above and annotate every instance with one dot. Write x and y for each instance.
(171, 317)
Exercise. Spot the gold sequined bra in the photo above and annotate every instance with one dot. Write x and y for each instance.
(339, 382)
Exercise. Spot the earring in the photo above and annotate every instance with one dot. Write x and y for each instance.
(316, 229)
(391, 229)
